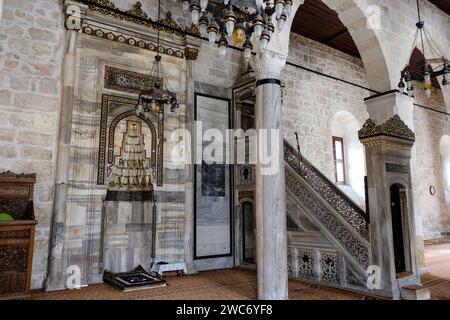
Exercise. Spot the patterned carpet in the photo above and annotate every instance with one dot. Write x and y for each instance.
(230, 284)
(240, 284)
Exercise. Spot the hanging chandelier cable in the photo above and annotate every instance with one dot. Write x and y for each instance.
(160, 95)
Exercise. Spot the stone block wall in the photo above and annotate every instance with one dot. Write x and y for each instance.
(430, 127)
(31, 53)
(311, 100)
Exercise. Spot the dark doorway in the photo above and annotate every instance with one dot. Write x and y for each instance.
(398, 197)
(248, 236)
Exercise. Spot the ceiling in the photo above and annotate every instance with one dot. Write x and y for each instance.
(316, 21)
(444, 5)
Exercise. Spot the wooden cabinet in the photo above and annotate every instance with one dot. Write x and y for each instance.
(16, 237)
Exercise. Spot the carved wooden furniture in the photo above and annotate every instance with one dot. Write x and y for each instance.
(16, 237)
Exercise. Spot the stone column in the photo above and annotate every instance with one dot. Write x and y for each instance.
(56, 274)
(388, 140)
(271, 238)
(191, 52)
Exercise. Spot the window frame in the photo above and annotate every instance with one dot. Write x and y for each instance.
(336, 161)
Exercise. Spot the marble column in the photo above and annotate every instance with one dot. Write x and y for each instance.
(56, 269)
(192, 48)
(271, 238)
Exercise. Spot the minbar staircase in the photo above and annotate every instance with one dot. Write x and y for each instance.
(328, 234)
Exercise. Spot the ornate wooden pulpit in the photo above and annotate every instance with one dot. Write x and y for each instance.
(16, 236)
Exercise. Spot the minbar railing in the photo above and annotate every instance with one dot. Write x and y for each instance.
(338, 200)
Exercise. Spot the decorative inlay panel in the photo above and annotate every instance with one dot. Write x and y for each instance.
(106, 34)
(16, 234)
(397, 168)
(329, 266)
(246, 174)
(13, 258)
(17, 208)
(305, 264)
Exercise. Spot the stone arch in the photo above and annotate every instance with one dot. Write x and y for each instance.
(345, 125)
(357, 16)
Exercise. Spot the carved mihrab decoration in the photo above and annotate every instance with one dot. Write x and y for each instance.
(193, 29)
(136, 11)
(394, 127)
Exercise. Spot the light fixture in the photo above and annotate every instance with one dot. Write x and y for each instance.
(270, 28)
(203, 24)
(281, 20)
(223, 45)
(195, 11)
(248, 47)
(426, 72)
(159, 95)
(239, 34)
(279, 7)
(203, 5)
(239, 21)
(265, 38)
(186, 5)
(288, 6)
(447, 72)
(230, 20)
(258, 25)
(445, 84)
(401, 86)
(213, 29)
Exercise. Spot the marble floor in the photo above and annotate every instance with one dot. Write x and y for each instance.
(240, 284)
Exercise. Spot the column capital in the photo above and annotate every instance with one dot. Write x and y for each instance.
(192, 48)
(74, 14)
(268, 65)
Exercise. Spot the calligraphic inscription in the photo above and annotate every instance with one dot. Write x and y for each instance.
(397, 168)
(127, 81)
